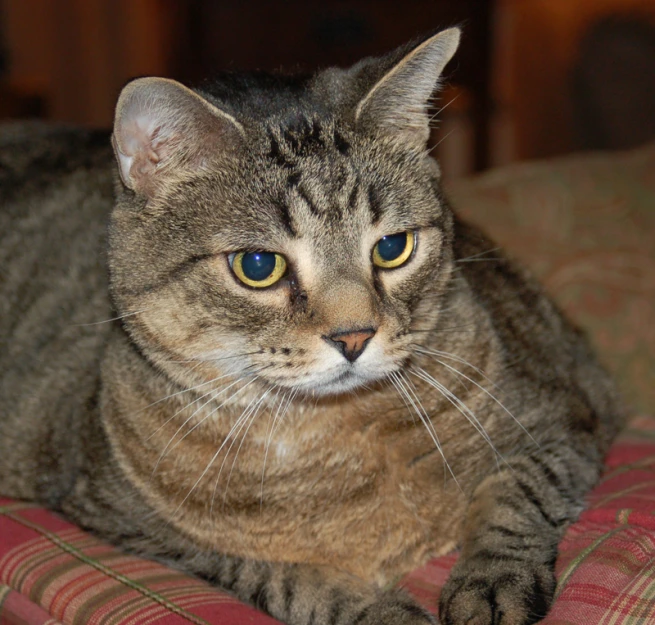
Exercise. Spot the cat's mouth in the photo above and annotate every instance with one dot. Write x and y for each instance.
(343, 381)
(346, 377)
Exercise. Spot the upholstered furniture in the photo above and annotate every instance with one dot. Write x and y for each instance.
(586, 226)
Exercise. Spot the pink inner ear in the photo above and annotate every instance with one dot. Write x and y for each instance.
(140, 135)
(161, 125)
(140, 146)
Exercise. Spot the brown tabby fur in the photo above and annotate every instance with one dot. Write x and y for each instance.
(205, 425)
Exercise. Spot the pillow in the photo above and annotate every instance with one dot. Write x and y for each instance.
(585, 225)
(54, 573)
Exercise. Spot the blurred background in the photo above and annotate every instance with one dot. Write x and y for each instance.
(533, 78)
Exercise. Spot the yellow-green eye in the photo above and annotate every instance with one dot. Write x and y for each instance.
(258, 269)
(394, 250)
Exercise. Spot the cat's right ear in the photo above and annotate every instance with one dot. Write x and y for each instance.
(162, 128)
(396, 105)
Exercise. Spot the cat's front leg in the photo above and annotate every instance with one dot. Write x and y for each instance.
(505, 575)
(300, 594)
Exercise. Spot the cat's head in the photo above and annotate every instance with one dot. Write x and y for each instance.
(285, 230)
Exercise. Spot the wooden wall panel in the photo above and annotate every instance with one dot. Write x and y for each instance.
(537, 47)
(77, 54)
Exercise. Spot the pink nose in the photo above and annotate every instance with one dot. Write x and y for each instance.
(351, 343)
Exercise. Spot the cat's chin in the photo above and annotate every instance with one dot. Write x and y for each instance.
(345, 382)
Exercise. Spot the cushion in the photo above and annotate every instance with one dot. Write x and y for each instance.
(52, 572)
(585, 225)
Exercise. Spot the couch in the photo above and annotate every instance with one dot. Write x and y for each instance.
(585, 224)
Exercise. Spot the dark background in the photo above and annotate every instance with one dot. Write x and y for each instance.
(532, 78)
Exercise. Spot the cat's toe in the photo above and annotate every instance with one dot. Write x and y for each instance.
(394, 608)
(496, 597)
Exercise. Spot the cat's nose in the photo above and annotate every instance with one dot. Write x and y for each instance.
(351, 343)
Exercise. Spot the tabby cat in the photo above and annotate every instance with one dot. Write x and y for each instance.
(301, 375)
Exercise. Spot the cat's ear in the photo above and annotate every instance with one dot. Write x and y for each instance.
(397, 104)
(162, 128)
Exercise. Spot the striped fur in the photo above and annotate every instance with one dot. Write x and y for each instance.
(210, 425)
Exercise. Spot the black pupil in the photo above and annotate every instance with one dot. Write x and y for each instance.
(392, 246)
(258, 266)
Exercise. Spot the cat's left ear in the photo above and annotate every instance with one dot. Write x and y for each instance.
(397, 104)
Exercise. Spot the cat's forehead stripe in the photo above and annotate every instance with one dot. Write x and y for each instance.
(286, 219)
(276, 153)
(294, 179)
(341, 143)
(334, 189)
(354, 194)
(304, 136)
(309, 202)
(374, 204)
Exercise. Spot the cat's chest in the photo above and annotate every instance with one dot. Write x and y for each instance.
(359, 495)
(356, 500)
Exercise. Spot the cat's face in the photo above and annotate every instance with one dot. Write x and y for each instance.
(310, 255)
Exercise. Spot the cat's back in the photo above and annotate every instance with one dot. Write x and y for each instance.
(35, 155)
(55, 197)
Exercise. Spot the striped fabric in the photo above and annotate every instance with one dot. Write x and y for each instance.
(606, 564)
(53, 573)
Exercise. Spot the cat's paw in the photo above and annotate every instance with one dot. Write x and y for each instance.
(394, 608)
(497, 593)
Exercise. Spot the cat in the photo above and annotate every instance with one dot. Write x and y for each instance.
(251, 339)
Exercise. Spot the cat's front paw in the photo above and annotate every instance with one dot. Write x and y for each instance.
(394, 608)
(497, 593)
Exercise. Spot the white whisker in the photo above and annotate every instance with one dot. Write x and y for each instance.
(444, 107)
(235, 429)
(436, 352)
(438, 143)
(211, 462)
(212, 360)
(493, 397)
(269, 437)
(209, 415)
(192, 388)
(476, 256)
(402, 397)
(185, 390)
(184, 407)
(489, 251)
(97, 323)
(457, 403)
(252, 419)
(402, 385)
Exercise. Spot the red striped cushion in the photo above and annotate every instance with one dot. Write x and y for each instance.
(51, 572)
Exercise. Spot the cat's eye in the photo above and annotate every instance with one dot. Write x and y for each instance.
(393, 250)
(258, 269)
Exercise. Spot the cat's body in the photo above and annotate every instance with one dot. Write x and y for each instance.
(203, 429)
